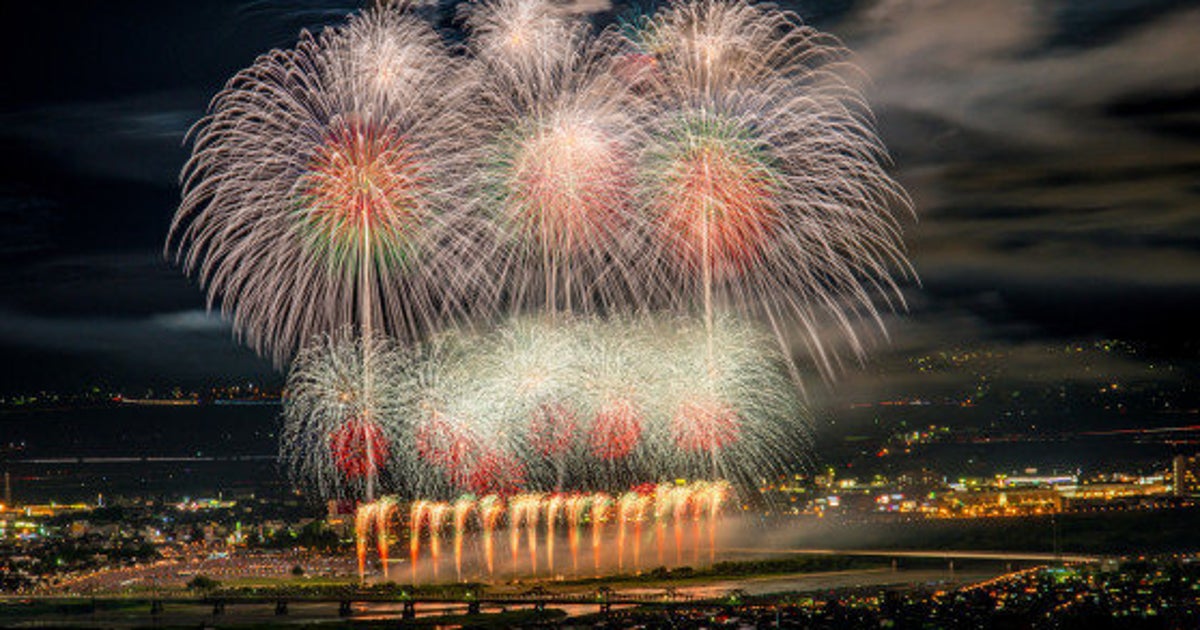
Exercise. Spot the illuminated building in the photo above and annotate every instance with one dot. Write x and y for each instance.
(1000, 503)
(1187, 475)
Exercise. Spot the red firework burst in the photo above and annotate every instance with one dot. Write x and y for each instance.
(705, 426)
(363, 178)
(616, 429)
(359, 447)
(552, 429)
(571, 185)
(447, 445)
(718, 204)
(495, 473)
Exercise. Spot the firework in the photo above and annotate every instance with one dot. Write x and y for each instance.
(730, 408)
(343, 415)
(319, 192)
(496, 472)
(525, 408)
(591, 253)
(520, 40)
(385, 508)
(462, 508)
(557, 166)
(622, 380)
(582, 403)
(363, 519)
(704, 425)
(526, 391)
(762, 172)
(616, 429)
(490, 511)
(713, 155)
(456, 442)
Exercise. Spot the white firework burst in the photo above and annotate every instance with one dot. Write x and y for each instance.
(764, 174)
(321, 192)
(343, 416)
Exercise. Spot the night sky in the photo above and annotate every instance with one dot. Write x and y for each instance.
(1052, 149)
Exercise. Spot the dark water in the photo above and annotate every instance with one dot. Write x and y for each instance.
(138, 431)
(161, 481)
(142, 451)
(172, 452)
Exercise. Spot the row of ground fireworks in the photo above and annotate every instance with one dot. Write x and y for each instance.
(541, 520)
(711, 161)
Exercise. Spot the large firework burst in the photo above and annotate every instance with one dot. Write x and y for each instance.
(714, 159)
(556, 172)
(455, 443)
(318, 193)
(763, 173)
(728, 407)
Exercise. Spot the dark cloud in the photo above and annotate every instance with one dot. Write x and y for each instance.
(28, 221)
(147, 130)
(1084, 23)
(189, 348)
(988, 65)
(1037, 141)
(107, 284)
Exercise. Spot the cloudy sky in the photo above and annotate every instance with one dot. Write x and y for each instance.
(1052, 149)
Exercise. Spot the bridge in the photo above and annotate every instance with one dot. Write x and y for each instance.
(538, 599)
(933, 554)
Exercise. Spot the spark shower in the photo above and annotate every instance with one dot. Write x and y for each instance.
(544, 259)
(677, 523)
